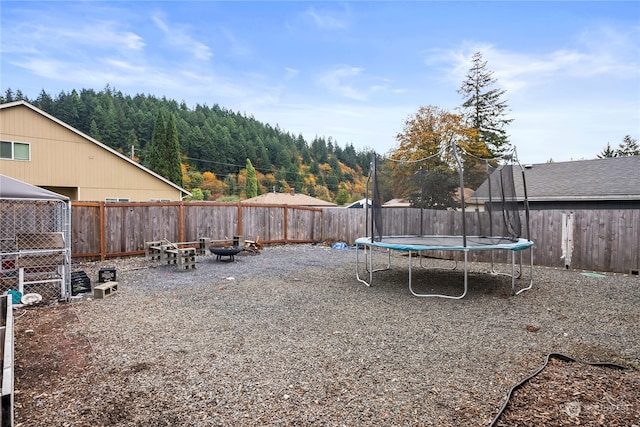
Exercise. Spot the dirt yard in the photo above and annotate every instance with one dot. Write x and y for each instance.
(72, 370)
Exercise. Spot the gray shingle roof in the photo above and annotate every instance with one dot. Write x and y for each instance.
(615, 178)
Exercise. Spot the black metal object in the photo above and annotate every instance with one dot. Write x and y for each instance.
(80, 283)
(107, 274)
(226, 251)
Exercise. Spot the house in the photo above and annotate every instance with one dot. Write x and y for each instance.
(41, 150)
(397, 203)
(609, 183)
(291, 198)
(471, 203)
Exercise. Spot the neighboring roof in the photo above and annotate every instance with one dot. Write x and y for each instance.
(295, 199)
(614, 178)
(11, 188)
(397, 203)
(87, 137)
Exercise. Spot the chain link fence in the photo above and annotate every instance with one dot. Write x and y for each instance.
(35, 247)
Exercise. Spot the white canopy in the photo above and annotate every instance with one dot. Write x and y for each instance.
(11, 188)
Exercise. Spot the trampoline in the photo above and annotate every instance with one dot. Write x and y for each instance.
(503, 214)
(421, 244)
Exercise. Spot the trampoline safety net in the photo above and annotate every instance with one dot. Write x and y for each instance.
(488, 194)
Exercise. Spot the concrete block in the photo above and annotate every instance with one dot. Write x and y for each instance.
(104, 290)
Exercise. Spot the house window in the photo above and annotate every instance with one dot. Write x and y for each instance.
(116, 199)
(14, 150)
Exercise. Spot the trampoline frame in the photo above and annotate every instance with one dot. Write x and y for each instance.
(421, 243)
(367, 245)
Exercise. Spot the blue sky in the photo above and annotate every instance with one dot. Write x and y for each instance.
(353, 71)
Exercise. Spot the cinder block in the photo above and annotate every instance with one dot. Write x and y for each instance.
(186, 259)
(104, 290)
(152, 250)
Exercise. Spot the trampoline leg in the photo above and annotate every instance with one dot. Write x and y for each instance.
(367, 258)
(466, 281)
(530, 273)
(369, 263)
(513, 273)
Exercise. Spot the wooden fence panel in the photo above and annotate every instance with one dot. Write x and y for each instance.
(303, 225)
(546, 233)
(127, 226)
(264, 223)
(85, 222)
(607, 240)
(604, 240)
(629, 232)
(343, 225)
(211, 220)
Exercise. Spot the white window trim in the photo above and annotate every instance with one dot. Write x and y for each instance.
(13, 151)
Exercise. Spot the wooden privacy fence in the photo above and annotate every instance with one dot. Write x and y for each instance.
(599, 240)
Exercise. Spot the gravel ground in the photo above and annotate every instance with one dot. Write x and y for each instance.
(289, 337)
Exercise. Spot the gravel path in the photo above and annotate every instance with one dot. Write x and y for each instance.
(289, 337)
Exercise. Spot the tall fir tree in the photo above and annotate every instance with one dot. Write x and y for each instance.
(155, 156)
(164, 155)
(628, 147)
(172, 153)
(607, 152)
(251, 190)
(484, 106)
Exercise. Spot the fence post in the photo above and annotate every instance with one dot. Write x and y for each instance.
(103, 249)
(181, 222)
(239, 224)
(286, 224)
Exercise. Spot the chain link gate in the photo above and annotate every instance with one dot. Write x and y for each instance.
(35, 247)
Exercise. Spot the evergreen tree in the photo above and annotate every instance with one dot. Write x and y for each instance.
(628, 147)
(211, 139)
(251, 190)
(607, 152)
(172, 153)
(342, 197)
(231, 184)
(484, 106)
(155, 155)
(8, 96)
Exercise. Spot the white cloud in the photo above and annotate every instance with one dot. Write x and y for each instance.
(290, 73)
(344, 80)
(236, 47)
(326, 20)
(334, 80)
(600, 52)
(178, 37)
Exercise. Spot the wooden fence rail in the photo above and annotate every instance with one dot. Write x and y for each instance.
(598, 240)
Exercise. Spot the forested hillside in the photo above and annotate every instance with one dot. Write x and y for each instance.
(214, 144)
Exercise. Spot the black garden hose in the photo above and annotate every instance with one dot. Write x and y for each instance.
(544, 365)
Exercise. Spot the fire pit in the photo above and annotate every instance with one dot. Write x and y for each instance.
(225, 251)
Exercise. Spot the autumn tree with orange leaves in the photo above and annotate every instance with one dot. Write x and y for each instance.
(425, 145)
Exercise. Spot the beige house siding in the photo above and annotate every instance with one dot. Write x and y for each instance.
(68, 162)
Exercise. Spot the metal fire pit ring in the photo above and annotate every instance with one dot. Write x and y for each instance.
(226, 251)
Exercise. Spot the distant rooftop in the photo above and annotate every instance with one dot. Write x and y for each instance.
(292, 198)
(614, 178)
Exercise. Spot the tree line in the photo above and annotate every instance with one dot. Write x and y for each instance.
(213, 143)
(219, 154)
